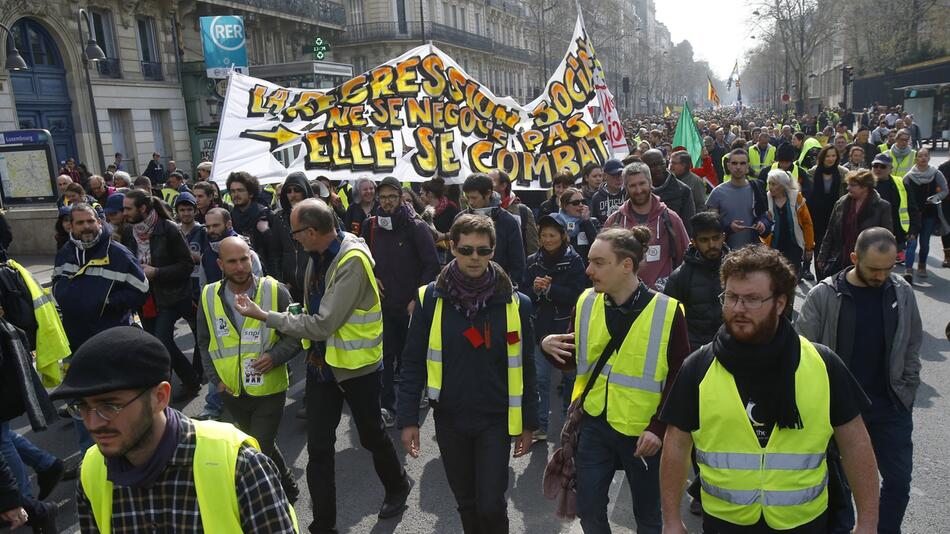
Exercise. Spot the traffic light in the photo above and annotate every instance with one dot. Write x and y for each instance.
(847, 74)
(320, 48)
(626, 84)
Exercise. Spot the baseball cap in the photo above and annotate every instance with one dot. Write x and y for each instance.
(613, 166)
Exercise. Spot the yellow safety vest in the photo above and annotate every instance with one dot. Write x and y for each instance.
(755, 162)
(883, 147)
(359, 342)
(232, 351)
(169, 195)
(902, 214)
(807, 145)
(899, 167)
(216, 449)
(344, 193)
(226, 197)
(787, 480)
(633, 377)
(52, 345)
(515, 359)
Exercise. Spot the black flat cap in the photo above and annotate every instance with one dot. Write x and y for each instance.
(124, 357)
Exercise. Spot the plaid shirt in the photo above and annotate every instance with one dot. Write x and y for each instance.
(171, 505)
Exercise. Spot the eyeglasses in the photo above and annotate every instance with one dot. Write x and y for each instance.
(108, 412)
(575, 202)
(750, 303)
(389, 198)
(466, 250)
(298, 230)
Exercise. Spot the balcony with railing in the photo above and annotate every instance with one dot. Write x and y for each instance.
(109, 68)
(323, 11)
(508, 6)
(152, 71)
(412, 31)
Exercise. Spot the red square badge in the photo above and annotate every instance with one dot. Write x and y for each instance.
(513, 337)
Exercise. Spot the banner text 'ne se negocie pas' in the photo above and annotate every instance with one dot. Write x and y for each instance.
(420, 116)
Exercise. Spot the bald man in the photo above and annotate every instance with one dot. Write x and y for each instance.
(246, 361)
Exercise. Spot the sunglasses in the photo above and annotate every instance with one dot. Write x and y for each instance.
(878, 166)
(576, 202)
(467, 250)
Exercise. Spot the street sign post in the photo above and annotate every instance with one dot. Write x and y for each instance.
(320, 48)
(225, 45)
(27, 174)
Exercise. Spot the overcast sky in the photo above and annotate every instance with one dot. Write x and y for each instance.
(713, 28)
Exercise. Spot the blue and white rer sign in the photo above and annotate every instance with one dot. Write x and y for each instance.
(224, 44)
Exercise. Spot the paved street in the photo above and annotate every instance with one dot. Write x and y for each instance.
(431, 505)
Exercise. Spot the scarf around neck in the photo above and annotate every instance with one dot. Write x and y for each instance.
(571, 224)
(122, 473)
(469, 295)
(769, 367)
(142, 231)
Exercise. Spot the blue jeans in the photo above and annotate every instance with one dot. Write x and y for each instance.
(543, 370)
(32, 455)
(891, 428)
(927, 225)
(214, 405)
(13, 459)
(601, 450)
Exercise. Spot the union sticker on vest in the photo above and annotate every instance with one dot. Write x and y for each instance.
(251, 335)
(251, 376)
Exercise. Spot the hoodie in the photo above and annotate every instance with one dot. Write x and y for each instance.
(604, 203)
(293, 258)
(100, 295)
(668, 240)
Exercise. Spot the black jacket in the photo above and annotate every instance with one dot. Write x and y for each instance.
(293, 258)
(266, 243)
(876, 212)
(21, 390)
(171, 257)
(548, 207)
(552, 310)
(474, 380)
(696, 284)
(678, 197)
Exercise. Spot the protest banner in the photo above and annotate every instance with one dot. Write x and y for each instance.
(419, 116)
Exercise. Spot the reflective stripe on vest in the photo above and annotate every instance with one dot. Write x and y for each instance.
(785, 481)
(230, 348)
(216, 451)
(359, 342)
(52, 345)
(514, 353)
(899, 167)
(634, 375)
(807, 145)
(903, 216)
(169, 195)
(754, 158)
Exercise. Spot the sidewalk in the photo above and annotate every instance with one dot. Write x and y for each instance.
(40, 266)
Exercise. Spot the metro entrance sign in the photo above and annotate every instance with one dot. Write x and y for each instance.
(225, 46)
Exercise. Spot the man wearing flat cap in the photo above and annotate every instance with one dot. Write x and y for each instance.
(152, 468)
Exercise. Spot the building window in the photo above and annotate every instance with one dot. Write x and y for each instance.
(462, 20)
(401, 16)
(478, 23)
(120, 121)
(148, 49)
(354, 12)
(104, 34)
(161, 133)
(455, 17)
(445, 13)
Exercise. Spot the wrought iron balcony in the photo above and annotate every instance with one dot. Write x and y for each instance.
(109, 68)
(320, 10)
(411, 31)
(508, 6)
(152, 71)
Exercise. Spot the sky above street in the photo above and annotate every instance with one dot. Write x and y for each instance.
(719, 31)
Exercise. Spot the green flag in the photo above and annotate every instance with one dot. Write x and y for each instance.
(687, 136)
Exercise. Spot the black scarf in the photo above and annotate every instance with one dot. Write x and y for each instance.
(550, 260)
(770, 367)
(245, 220)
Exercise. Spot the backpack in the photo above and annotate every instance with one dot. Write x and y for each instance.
(16, 304)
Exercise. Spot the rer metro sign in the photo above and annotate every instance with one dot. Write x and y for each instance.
(225, 46)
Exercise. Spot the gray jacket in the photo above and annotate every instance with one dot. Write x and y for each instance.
(283, 350)
(347, 288)
(819, 323)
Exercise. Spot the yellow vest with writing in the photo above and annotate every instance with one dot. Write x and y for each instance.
(231, 350)
(216, 451)
(515, 359)
(787, 480)
(630, 384)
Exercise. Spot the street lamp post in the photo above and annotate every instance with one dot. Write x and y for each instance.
(91, 54)
(14, 59)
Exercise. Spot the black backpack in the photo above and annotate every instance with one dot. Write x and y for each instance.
(16, 303)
